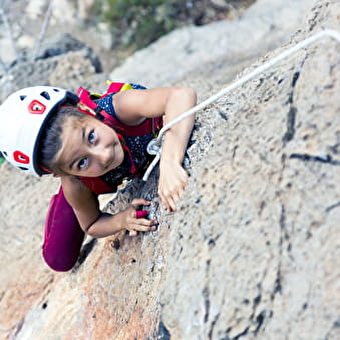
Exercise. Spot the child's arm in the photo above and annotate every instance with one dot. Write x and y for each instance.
(97, 224)
(134, 105)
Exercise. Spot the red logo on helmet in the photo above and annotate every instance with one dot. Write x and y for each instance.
(36, 107)
(20, 157)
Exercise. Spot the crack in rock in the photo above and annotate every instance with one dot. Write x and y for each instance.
(333, 206)
(291, 116)
(162, 334)
(327, 159)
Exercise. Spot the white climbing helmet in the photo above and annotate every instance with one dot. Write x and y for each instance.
(22, 118)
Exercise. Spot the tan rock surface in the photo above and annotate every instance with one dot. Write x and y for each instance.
(251, 253)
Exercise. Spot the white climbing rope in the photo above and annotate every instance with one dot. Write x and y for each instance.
(154, 147)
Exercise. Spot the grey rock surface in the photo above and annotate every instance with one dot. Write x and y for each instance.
(256, 241)
(252, 251)
(63, 61)
(265, 25)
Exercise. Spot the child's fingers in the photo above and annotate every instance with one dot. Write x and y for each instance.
(143, 224)
(133, 233)
(139, 201)
(171, 205)
(169, 201)
(171, 195)
(136, 220)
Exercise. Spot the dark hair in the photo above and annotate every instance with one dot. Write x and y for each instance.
(50, 140)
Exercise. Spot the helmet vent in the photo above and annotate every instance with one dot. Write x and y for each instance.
(22, 168)
(4, 153)
(22, 97)
(45, 95)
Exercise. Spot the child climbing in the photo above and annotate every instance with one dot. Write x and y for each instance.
(93, 145)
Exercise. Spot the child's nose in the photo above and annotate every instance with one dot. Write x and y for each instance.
(104, 156)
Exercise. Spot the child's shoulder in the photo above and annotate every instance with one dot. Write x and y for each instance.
(74, 189)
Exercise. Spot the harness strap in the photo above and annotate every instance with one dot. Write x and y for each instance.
(149, 125)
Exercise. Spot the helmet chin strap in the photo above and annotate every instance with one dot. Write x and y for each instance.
(86, 110)
(48, 171)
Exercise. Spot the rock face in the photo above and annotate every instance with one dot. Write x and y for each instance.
(262, 27)
(251, 253)
(63, 61)
(257, 237)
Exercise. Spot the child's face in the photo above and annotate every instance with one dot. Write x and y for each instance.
(89, 148)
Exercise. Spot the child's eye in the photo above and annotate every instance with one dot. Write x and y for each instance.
(91, 137)
(82, 163)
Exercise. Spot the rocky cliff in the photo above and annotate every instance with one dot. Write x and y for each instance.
(251, 253)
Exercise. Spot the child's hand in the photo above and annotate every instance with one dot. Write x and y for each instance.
(132, 220)
(172, 182)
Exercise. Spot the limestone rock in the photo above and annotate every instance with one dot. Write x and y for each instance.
(251, 253)
(63, 10)
(63, 61)
(264, 25)
(257, 236)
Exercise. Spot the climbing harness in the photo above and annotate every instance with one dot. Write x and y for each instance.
(155, 145)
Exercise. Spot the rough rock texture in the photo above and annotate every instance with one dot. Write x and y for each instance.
(262, 244)
(262, 27)
(86, 19)
(256, 242)
(251, 253)
(63, 61)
